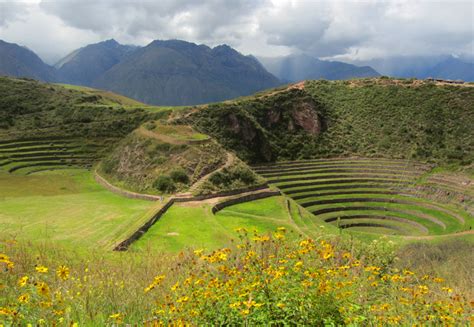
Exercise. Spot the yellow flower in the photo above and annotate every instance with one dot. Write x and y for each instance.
(281, 305)
(281, 229)
(43, 288)
(175, 287)
(234, 305)
(447, 289)
(262, 239)
(23, 281)
(245, 312)
(198, 252)
(41, 269)
(4, 257)
(62, 272)
(24, 298)
(117, 317)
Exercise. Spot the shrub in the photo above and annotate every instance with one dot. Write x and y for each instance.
(179, 176)
(165, 184)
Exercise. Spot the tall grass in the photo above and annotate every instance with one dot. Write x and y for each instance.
(260, 279)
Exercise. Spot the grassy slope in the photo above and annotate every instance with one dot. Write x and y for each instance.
(194, 226)
(68, 207)
(368, 117)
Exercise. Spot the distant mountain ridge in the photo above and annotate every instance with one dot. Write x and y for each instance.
(85, 65)
(18, 61)
(296, 68)
(169, 72)
(178, 72)
(444, 67)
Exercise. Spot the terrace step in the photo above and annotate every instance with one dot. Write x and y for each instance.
(334, 176)
(51, 163)
(344, 170)
(393, 200)
(346, 181)
(419, 226)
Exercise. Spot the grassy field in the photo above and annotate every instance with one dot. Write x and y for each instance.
(194, 226)
(67, 207)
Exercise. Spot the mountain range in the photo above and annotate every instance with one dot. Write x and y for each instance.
(176, 72)
(445, 67)
(296, 68)
(169, 72)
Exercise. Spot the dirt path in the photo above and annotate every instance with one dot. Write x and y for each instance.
(229, 161)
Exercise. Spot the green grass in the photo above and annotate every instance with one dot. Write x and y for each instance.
(317, 187)
(184, 226)
(68, 207)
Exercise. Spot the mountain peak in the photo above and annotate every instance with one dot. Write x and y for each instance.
(110, 42)
(173, 44)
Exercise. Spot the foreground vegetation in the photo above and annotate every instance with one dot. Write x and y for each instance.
(260, 279)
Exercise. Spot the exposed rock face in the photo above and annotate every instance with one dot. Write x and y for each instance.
(278, 127)
(305, 116)
(273, 116)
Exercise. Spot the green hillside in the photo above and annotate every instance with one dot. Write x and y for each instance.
(408, 119)
(46, 125)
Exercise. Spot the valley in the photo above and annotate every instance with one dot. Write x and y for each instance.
(356, 172)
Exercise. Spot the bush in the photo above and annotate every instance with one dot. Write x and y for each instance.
(179, 176)
(165, 184)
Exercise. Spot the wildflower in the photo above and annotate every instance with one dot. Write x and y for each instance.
(298, 264)
(41, 269)
(44, 304)
(447, 289)
(235, 305)
(245, 312)
(262, 239)
(346, 255)
(198, 252)
(4, 257)
(42, 288)
(279, 236)
(62, 272)
(175, 287)
(438, 280)
(24, 298)
(117, 317)
(281, 229)
(7, 312)
(183, 299)
(23, 281)
(280, 305)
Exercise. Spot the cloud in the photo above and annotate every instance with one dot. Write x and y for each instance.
(11, 11)
(357, 29)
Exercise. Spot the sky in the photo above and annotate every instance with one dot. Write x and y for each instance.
(331, 29)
